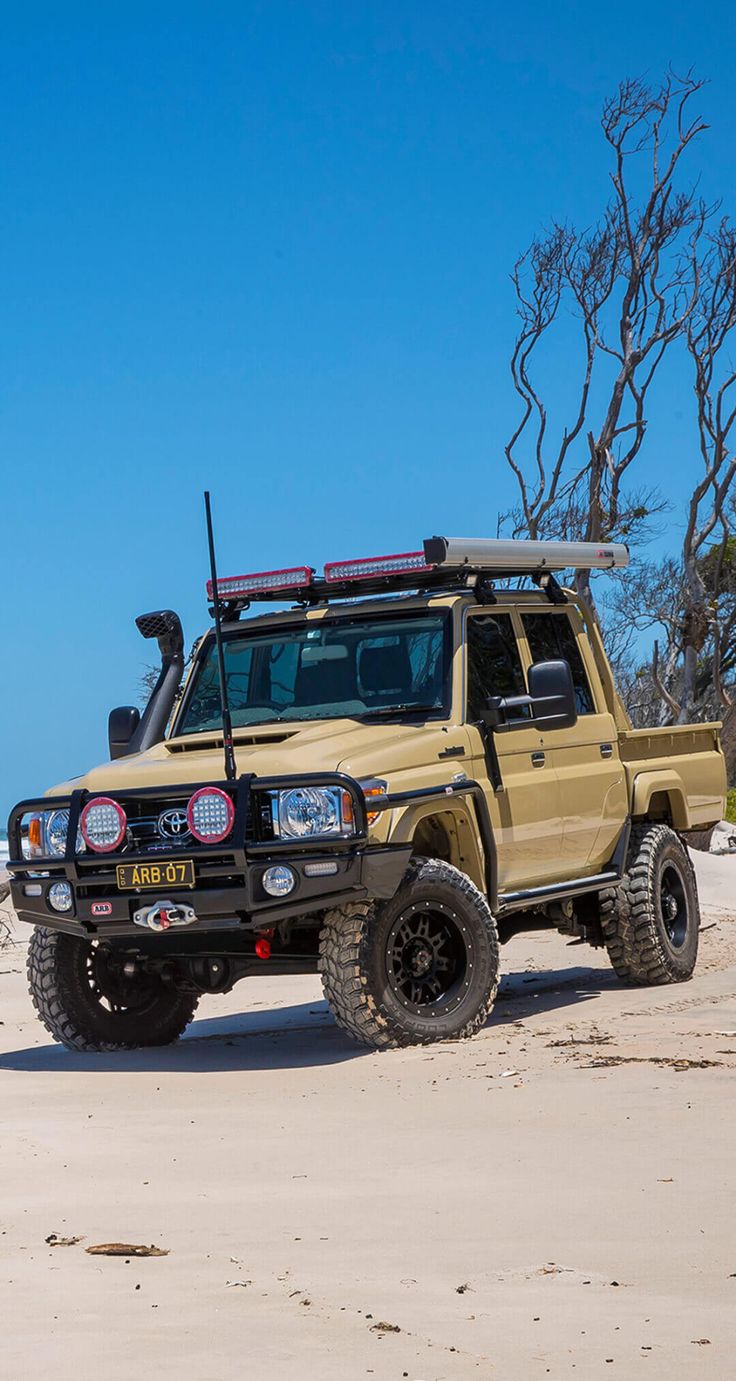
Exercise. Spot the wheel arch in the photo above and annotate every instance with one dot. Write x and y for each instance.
(660, 796)
(450, 834)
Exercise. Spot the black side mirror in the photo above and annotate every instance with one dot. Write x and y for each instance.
(551, 701)
(121, 726)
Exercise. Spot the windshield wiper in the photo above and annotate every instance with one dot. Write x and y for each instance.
(385, 711)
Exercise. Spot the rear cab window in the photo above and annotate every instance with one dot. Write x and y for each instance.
(551, 636)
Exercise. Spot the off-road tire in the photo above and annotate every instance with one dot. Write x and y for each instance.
(356, 955)
(641, 947)
(59, 969)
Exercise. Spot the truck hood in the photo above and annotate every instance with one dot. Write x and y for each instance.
(343, 745)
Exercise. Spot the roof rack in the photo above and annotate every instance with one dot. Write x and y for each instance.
(445, 563)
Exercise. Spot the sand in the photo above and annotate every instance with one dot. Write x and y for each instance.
(552, 1199)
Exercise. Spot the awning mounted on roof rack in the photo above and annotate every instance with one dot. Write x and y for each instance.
(523, 557)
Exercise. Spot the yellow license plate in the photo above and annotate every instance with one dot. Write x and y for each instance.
(136, 877)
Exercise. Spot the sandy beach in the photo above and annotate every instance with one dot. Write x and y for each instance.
(552, 1199)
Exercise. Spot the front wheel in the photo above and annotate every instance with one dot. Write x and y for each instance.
(651, 921)
(86, 1001)
(421, 967)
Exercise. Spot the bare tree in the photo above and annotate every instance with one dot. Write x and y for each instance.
(633, 281)
(709, 339)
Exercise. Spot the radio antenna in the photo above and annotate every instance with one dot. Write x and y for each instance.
(231, 770)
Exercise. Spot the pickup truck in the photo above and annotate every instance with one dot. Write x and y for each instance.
(425, 762)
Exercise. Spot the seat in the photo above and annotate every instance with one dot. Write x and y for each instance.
(386, 671)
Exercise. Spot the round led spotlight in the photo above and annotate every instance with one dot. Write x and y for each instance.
(210, 815)
(60, 896)
(278, 881)
(103, 824)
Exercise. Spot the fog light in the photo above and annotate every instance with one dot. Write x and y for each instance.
(278, 881)
(320, 870)
(60, 896)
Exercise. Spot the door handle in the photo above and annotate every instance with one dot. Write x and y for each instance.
(606, 750)
(538, 759)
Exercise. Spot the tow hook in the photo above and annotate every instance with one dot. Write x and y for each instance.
(162, 915)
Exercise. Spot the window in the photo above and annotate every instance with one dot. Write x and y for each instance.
(550, 638)
(346, 667)
(494, 665)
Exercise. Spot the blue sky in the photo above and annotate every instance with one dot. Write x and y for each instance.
(264, 247)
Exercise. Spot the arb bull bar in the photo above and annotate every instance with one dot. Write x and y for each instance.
(227, 893)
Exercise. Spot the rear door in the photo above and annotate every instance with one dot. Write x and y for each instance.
(526, 813)
(590, 774)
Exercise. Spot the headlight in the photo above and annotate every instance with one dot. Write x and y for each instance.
(55, 826)
(305, 811)
(46, 837)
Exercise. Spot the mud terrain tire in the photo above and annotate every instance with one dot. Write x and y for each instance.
(650, 922)
(86, 1003)
(419, 968)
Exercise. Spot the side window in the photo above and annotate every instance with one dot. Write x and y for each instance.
(494, 664)
(550, 637)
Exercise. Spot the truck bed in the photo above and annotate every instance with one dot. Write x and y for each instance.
(685, 763)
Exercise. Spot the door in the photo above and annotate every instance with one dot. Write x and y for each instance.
(526, 813)
(591, 779)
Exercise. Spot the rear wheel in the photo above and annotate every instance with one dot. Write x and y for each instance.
(651, 921)
(421, 967)
(86, 1001)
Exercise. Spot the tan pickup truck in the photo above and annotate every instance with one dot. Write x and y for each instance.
(425, 763)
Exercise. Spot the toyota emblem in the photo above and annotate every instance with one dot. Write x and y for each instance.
(173, 824)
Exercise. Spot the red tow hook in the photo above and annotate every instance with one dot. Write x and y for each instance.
(263, 944)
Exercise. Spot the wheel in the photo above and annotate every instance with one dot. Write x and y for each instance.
(421, 967)
(86, 1001)
(651, 921)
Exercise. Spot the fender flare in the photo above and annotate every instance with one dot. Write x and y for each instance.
(648, 784)
(472, 819)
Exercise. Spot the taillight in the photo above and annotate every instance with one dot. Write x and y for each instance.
(103, 824)
(210, 814)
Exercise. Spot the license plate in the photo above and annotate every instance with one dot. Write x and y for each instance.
(136, 877)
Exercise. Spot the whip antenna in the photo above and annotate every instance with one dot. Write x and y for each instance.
(231, 770)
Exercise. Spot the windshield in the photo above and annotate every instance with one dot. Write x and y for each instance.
(354, 668)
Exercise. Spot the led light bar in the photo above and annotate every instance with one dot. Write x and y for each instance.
(520, 557)
(369, 567)
(234, 586)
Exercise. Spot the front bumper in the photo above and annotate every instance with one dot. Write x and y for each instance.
(228, 893)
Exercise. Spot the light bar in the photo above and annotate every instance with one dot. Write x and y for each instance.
(367, 567)
(233, 586)
(519, 557)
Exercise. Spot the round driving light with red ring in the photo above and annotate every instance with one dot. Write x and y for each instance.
(103, 824)
(210, 815)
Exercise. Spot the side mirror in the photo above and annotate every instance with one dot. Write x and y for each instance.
(551, 701)
(121, 726)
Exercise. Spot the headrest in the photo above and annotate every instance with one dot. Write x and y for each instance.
(386, 669)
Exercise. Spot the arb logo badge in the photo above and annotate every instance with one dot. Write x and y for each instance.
(101, 908)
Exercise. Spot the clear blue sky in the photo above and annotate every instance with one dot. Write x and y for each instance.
(265, 247)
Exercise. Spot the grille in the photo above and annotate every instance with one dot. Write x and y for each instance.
(145, 835)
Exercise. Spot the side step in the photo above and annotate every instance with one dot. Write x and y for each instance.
(573, 887)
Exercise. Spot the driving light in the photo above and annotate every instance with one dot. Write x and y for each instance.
(278, 881)
(103, 824)
(305, 811)
(366, 567)
(60, 896)
(210, 815)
